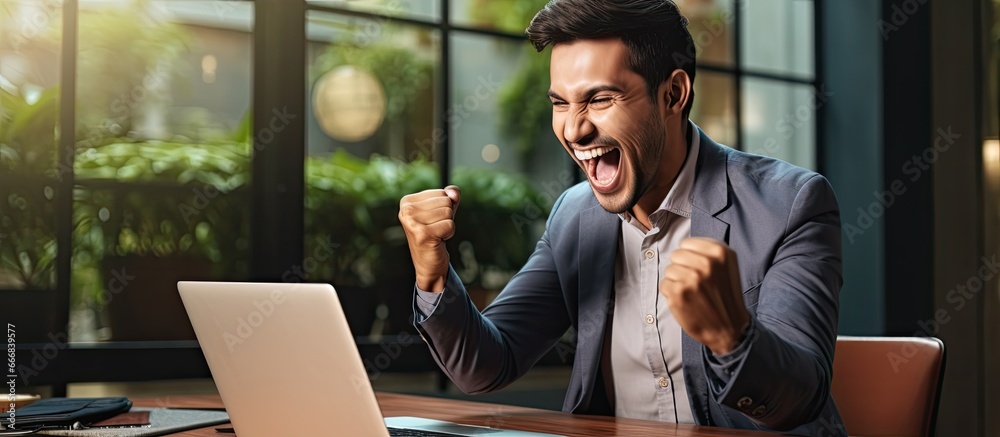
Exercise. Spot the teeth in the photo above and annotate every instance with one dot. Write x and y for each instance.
(584, 155)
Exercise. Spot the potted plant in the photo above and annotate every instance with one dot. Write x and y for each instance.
(27, 208)
(335, 201)
(154, 213)
(500, 213)
(356, 201)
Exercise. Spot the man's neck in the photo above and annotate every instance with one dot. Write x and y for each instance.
(672, 162)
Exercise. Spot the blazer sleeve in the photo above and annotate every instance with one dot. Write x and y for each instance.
(484, 352)
(782, 379)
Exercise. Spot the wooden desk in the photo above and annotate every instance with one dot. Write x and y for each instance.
(476, 413)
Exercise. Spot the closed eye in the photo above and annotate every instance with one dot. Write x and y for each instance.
(601, 102)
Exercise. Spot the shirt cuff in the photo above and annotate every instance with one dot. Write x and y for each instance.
(724, 367)
(425, 302)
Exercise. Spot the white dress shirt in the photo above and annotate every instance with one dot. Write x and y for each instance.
(645, 353)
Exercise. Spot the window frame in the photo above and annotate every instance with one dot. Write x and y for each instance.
(277, 182)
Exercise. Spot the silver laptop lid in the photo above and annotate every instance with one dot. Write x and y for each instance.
(283, 358)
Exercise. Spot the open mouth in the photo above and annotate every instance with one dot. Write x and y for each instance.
(601, 164)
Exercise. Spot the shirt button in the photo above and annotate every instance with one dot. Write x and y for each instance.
(649, 319)
(650, 254)
(759, 411)
(744, 403)
(663, 382)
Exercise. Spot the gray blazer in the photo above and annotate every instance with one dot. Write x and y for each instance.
(784, 224)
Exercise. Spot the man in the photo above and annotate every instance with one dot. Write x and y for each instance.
(702, 282)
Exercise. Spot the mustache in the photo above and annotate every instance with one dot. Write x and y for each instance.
(602, 140)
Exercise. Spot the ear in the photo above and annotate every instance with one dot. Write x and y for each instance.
(674, 93)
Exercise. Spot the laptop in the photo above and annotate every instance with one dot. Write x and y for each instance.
(285, 363)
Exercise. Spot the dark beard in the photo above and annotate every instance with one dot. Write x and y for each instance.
(652, 137)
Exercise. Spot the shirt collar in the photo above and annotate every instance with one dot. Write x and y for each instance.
(678, 199)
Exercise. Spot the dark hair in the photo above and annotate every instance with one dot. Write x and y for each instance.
(653, 31)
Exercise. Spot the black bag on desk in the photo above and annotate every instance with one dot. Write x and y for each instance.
(65, 412)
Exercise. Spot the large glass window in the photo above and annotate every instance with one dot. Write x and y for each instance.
(30, 48)
(372, 138)
(162, 161)
(756, 80)
(402, 102)
(143, 174)
(30, 61)
(158, 155)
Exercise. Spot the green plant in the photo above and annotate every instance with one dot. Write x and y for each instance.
(160, 199)
(125, 54)
(492, 218)
(506, 15)
(27, 207)
(153, 198)
(524, 107)
(28, 131)
(356, 202)
(128, 53)
(27, 240)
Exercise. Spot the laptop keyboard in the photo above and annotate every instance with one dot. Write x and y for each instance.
(400, 432)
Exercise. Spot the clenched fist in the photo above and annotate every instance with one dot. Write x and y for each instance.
(428, 218)
(702, 287)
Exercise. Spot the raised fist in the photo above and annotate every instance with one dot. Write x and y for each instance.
(428, 218)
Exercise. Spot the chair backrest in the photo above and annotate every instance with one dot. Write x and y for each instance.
(888, 385)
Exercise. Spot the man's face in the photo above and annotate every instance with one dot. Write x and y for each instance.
(604, 117)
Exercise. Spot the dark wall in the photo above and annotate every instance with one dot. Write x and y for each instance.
(958, 216)
(852, 157)
(902, 141)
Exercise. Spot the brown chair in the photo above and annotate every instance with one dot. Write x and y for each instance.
(888, 386)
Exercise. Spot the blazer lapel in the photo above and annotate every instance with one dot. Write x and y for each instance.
(709, 197)
(599, 235)
(710, 194)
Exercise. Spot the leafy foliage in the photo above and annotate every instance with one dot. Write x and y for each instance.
(506, 15)
(28, 131)
(184, 197)
(27, 207)
(525, 109)
(403, 74)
